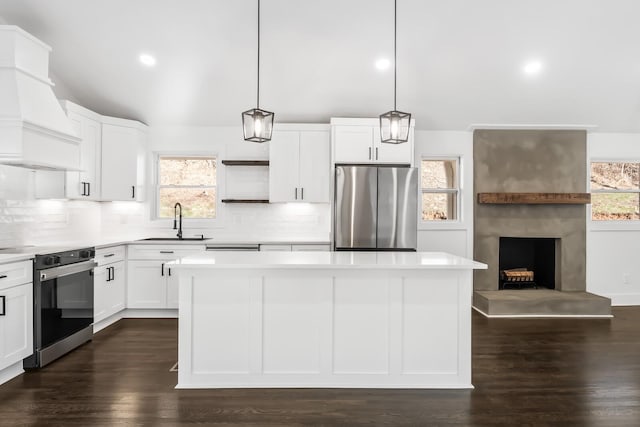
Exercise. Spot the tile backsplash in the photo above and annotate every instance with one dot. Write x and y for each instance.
(24, 220)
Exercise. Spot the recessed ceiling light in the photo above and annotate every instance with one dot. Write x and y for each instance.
(532, 67)
(383, 64)
(147, 60)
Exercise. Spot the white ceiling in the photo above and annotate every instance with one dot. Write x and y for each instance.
(459, 61)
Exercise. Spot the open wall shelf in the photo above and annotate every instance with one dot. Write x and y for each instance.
(245, 162)
(245, 201)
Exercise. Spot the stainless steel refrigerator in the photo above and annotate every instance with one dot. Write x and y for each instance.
(376, 208)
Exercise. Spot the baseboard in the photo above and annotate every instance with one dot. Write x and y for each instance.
(10, 372)
(543, 316)
(134, 313)
(150, 313)
(97, 327)
(624, 299)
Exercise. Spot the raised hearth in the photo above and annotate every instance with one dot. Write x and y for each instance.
(541, 303)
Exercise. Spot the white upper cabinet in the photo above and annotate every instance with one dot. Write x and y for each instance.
(85, 184)
(358, 141)
(299, 164)
(112, 160)
(123, 153)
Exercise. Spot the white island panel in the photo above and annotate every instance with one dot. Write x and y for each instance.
(294, 316)
(220, 325)
(361, 325)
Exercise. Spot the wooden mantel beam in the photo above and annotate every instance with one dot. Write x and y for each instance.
(534, 198)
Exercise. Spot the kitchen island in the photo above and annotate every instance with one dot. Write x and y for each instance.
(325, 319)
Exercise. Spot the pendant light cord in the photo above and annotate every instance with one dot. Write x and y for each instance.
(258, 91)
(395, 50)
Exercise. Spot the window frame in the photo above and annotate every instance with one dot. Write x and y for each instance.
(197, 222)
(457, 190)
(613, 224)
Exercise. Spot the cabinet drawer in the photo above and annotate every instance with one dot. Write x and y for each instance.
(311, 247)
(110, 255)
(16, 273)
(162, 253)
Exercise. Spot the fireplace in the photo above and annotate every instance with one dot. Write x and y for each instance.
(536, 227)
(528, 263)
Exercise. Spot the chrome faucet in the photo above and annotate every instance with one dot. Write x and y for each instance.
(175, 222)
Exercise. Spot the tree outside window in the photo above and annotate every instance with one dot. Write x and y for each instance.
(615, 191)
(440, 189)
(189, 180)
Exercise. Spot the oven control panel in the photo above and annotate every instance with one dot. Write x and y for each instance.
(63, 258)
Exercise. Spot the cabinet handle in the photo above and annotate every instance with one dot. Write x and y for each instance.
(376, 153)
(3, 306)
(108, 255)
(84, 188)
(169, 271)
(113, 273)
(166, 252)
(133, 191)
(4, 276)
(296, 193)
(369, 153)
(88, 188)
(302, 191)
(162, 269)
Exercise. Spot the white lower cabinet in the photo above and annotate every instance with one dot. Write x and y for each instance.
(147, 285)
(109, 284)
(16, 313)
(150, 283)
(109, 290)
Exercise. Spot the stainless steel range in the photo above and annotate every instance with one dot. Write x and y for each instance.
(63, 304)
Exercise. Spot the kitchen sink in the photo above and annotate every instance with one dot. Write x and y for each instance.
(174, 239)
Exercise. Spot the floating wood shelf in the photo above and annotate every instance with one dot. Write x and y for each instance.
(534, 198)
(246, 162)
(245, 201)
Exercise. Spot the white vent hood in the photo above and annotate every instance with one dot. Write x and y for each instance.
(34, 130)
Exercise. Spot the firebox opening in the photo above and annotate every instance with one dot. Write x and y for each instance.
(527, 263)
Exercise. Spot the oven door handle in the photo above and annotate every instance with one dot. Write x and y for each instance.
(66, 270)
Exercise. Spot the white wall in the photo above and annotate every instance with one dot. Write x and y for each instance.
(455, 237)
(27, 221)
(613, 267)
(253, 221)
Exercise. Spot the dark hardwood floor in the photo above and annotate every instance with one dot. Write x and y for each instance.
(526, 372)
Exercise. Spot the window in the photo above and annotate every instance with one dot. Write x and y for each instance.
(615, 191)
(440, 189)
(190, 180)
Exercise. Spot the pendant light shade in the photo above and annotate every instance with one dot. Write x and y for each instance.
(257, 124)
(394, 124)
(394, 127)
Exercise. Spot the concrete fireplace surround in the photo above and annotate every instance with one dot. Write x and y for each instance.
(532, 161)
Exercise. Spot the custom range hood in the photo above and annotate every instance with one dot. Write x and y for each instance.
(34, 130)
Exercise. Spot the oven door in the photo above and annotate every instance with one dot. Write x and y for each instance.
(64, 302)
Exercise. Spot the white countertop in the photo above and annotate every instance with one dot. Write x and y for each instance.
(30, 251)
(6, 258)
(328, 260)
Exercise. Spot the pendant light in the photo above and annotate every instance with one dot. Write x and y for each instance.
(257, 124)
(394, 125)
